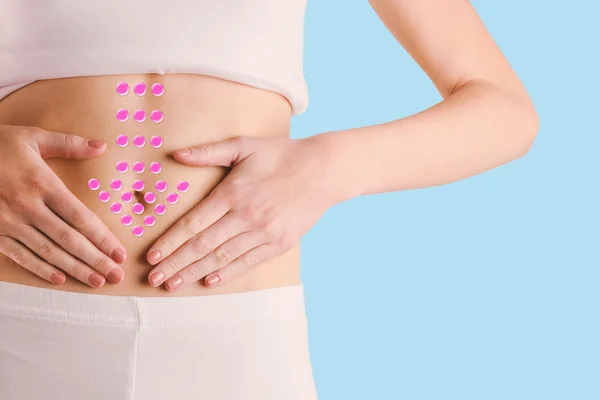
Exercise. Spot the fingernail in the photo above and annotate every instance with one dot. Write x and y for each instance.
(213, 280)
(175, 283)
(118, 256)
(96, 279)
(153, 256)
(96, 144)
(115, 275)
(183, 152)
(58, 278)
(157, 278)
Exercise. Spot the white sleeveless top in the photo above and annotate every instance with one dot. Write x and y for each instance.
(254, 42)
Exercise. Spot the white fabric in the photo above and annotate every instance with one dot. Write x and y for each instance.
(58, 345)
(257, 42)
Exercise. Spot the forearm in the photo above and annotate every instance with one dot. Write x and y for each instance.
(476, 128)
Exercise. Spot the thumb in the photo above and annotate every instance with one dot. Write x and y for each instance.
(226, 153)
(63, 145)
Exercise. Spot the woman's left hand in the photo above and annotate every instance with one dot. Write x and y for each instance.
(275, 192)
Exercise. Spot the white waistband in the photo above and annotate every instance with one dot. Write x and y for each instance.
(99, 309)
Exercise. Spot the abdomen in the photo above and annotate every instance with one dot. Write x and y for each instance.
(196, 109)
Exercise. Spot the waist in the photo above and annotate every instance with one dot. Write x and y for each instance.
(196, 109)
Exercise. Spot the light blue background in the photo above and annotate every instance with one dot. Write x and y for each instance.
(483, 289)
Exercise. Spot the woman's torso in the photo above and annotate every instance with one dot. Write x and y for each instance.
(197, 109)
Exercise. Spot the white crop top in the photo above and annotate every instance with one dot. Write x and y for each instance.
(254, 42)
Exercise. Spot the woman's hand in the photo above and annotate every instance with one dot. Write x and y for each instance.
(274, 194)
(43, 226)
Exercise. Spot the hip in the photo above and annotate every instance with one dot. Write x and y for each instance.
(251, 345)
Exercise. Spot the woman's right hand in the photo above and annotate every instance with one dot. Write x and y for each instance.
(43, 226)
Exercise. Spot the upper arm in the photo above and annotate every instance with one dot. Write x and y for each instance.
(449, 41)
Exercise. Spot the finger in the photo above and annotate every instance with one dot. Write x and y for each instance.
(76, 244)
(55, 255)
(66, 205)
(225, 153)
(220, 257)
(209, 211)
(196, 248)
(26, 259)
(55, 144)
(242, 264)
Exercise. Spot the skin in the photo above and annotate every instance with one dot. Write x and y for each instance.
(485, 119)
(260, 191)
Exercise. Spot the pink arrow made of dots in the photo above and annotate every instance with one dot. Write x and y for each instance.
(138, 167)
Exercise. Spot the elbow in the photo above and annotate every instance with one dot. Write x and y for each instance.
(527, 126)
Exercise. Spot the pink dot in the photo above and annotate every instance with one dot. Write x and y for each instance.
(137, 231)
(138, 185)
(139, 115)
(94, 184)
(122, 141)
(104, 196)
(116, 185)
(161, 186)
(116, 208)
(149, 220)
(122, 115)
(172, 198)
(122, 88)
(183, 186)
(127, 197)
(140, 89)
(160, 209)
(155, 167)
(138, 167)
(156, 116)
(122, 166)
(126, 220)
(139, 141)
(149, 197)
(158, 89)
(156, 142)
(138, 208)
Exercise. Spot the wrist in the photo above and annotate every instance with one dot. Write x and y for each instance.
(334, 176)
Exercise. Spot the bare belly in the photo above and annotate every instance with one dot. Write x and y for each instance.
(197, 109)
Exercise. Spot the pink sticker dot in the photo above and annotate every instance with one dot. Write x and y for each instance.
(138, 208)
(160, 209)
(138, 167)
(183, 186)
(140, 89)
(158, 89)
(116, 208)
(138, 185)
(127, 197)
(156, 116)
(161, 186)
(94, 184)
(139, 141)
(122, 166)
(155, 167)
(149, 197)
(122, 88)
(149, 220)
(122, 115)
(139, 115)
(172, 198)
(116, 185)
(127, 220)
(104, 196)
(137, 231)
(156, 142)
(122, 141)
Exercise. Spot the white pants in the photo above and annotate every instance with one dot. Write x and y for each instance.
(58, 345)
